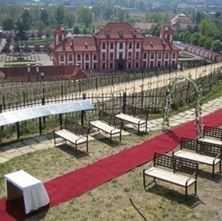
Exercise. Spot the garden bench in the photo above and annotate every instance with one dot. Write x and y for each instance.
(201, 152)
(108, 124)
(73, 133)
(134, 115)
(173, 170)
(212, 135)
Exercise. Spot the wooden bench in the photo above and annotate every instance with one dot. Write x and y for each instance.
(201, 152)
(73, 133)
(135, 116)
(108, 124)
(173, 170)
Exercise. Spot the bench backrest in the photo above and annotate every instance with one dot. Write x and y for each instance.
(212, 132)
(190, 144)
(135, 111)
(75, 127)
(209, 149)
(109, 118)
(175, 163)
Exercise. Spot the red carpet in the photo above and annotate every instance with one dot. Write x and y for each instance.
(74, 184)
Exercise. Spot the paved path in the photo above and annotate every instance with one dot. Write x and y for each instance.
(44, 142)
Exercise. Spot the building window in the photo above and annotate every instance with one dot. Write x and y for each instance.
(129, 66)
(103, 66)
(159, 64)
(111, 66)
(174, 55)
(103, 46)
(70, 57)
(103, 56)
(61, 57)
(144, 56)
(120, 45)
(94, 66)
(130, 45)
(137, 55)
(166, 63)
(173, 63)
(151, 64)
(137, 65)
(159, 56)
(144, 64)
(95, 57)
(120, 55)
(87, 57)
(87, 66)
(130, 55)
(152, 56)
(111, 55)
(78, 57)
(166, 55)
(137, 45)
(111, 45)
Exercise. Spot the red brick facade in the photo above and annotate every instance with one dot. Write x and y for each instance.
(116, 46)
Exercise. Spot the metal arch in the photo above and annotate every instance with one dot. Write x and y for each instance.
(168, 104)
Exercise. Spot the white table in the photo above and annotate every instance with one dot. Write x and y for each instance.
(211, 140)
(32, 190)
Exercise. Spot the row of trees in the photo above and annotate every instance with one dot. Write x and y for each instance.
(207, 34)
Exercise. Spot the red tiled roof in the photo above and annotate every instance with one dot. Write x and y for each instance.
(118, 30)
(156, 44)
(50, 73)
(78, 44)
(84, 43)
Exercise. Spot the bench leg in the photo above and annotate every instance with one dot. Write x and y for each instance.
(138, 131)
(87, 146)
(120, 136)
(110, 138)
(220, 165)
(186, 192)
(213, 170)
(144, 181)
(195, 188)
(54, 139)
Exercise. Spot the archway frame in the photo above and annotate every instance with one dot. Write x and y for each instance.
(198, 104)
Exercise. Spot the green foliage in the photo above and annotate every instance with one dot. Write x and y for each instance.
(7, 24)
(44, 16)
(84, 16)
(26, 19)
(59, 15)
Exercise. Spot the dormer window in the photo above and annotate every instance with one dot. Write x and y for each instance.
(120, 34)
(86, 45)
(151, 44)
(107, 34)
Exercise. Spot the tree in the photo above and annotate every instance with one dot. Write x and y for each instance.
(194, 39)
(217, 46)
(208, 43)
(20, 34)
(59, 15)
(69, 19)
(44, 16)
(26, 19)
(76, 30)
(7, 24)
(85, 16)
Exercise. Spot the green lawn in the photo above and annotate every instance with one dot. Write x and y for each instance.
(111, 201)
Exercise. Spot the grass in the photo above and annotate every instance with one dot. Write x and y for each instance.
(113, 200)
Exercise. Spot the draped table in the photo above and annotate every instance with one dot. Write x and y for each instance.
(34, 194)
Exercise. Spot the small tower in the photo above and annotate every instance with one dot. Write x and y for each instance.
(166, 34)
(59, 35)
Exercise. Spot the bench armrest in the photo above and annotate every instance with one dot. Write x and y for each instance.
(219, 156)
(80, 138)
(193, 176)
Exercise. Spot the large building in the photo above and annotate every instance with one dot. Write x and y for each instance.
(181, 21)
(116, 46)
